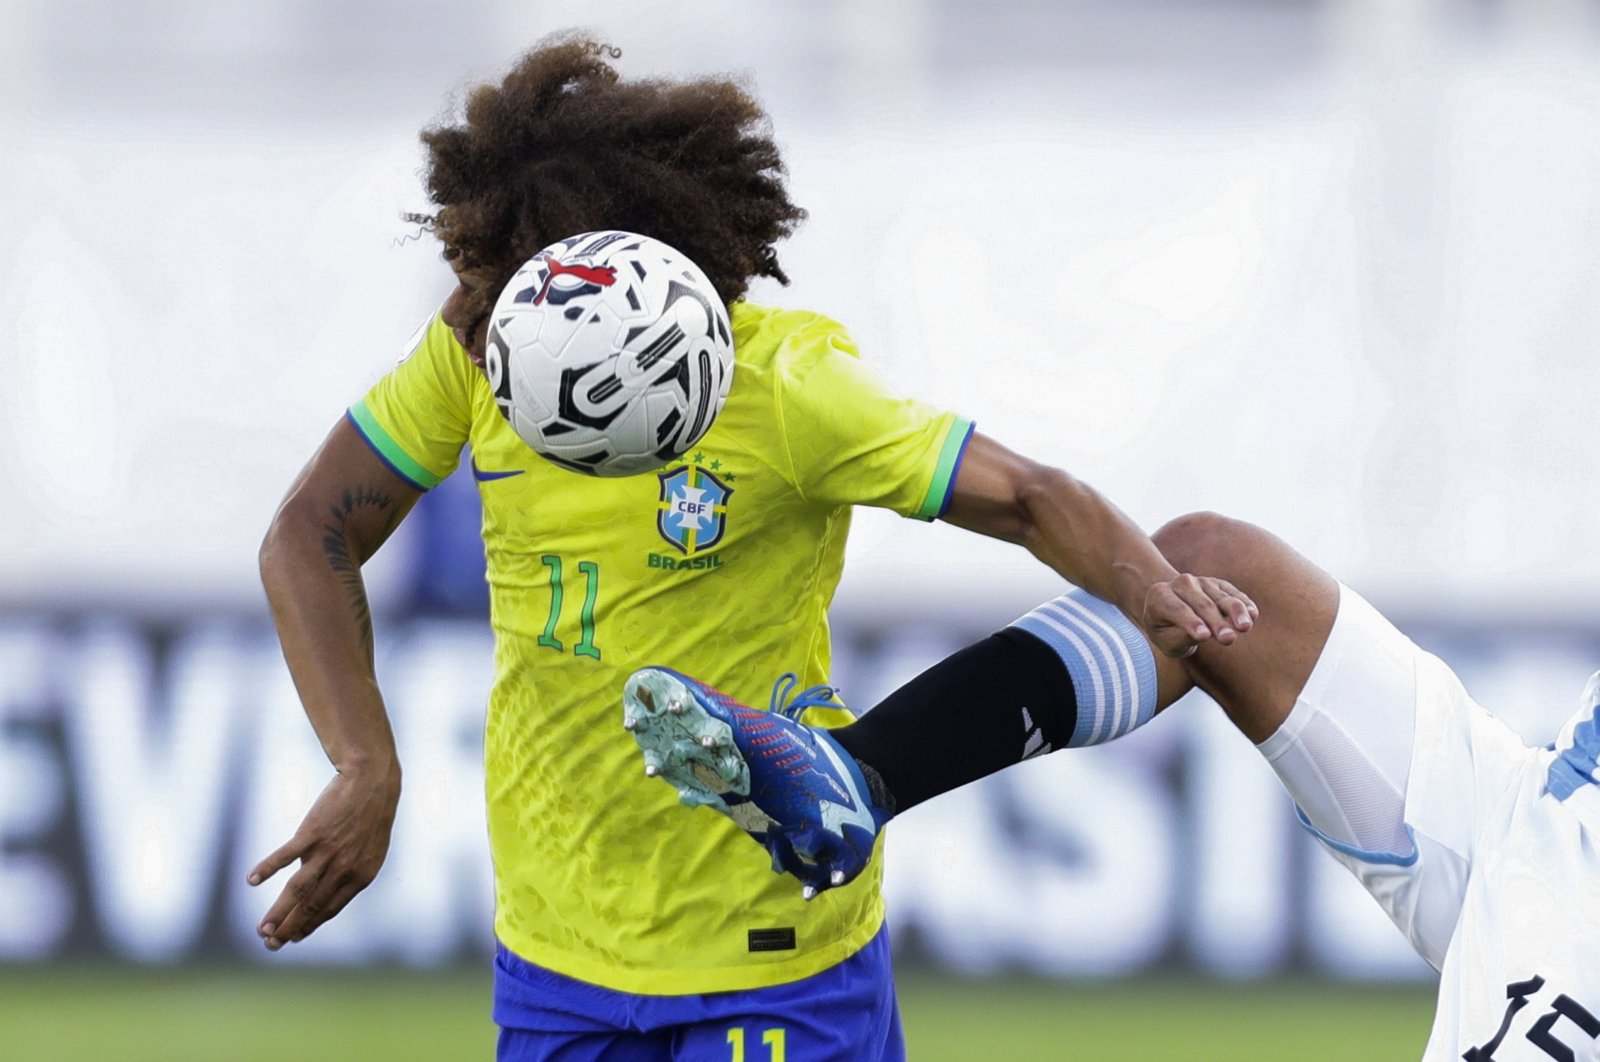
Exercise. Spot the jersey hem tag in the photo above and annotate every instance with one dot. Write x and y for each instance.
(772, 939)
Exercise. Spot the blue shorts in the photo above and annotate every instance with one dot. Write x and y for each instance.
(847, 1013)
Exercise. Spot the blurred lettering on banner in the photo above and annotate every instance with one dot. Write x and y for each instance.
(144, 766)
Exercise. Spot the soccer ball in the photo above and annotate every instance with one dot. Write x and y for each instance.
(610, 353)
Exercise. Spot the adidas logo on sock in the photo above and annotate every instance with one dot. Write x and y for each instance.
(1034, 744)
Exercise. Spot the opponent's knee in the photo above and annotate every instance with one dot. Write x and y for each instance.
(1205, 543)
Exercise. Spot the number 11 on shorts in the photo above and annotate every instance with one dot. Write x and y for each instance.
(773, 1039)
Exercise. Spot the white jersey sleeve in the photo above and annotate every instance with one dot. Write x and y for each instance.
(1390, 764)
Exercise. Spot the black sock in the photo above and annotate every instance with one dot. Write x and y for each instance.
(987, 707)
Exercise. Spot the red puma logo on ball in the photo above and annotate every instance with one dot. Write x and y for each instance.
(603, 276)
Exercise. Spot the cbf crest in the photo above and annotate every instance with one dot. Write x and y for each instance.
(693, 510)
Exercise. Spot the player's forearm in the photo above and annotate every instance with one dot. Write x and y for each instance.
(311, 571)
(1073, 528)
(1064, 522)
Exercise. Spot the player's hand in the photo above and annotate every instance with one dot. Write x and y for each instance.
(1187, 610)
(340, 844)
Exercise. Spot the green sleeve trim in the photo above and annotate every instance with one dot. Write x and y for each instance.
(392, 453)
(943, 484)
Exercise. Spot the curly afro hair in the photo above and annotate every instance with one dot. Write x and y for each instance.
(563, 145)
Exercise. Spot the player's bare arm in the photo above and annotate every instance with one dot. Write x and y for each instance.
(1091, 543)
(344, 505)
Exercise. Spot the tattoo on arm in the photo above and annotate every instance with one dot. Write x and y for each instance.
(341, 552)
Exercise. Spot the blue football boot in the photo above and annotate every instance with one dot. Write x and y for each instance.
(788, 785)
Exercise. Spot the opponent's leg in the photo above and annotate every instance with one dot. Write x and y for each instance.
(1065, 666)
(1073, 672)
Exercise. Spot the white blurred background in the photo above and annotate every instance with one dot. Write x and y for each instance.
(1328, 265)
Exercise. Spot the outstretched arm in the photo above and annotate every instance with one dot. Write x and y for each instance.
(1068, 525)
(339, 511)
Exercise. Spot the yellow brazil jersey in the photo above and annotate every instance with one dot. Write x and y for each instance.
(722, 565)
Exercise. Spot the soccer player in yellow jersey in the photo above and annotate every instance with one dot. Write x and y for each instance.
(625, 931)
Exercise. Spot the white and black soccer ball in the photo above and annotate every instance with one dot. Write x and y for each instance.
(610, 353)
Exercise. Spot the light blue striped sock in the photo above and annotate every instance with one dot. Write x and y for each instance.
(1113, 668)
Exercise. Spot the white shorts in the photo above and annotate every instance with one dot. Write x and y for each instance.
(1392, 767)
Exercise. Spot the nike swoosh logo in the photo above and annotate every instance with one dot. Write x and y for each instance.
(483, 477)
